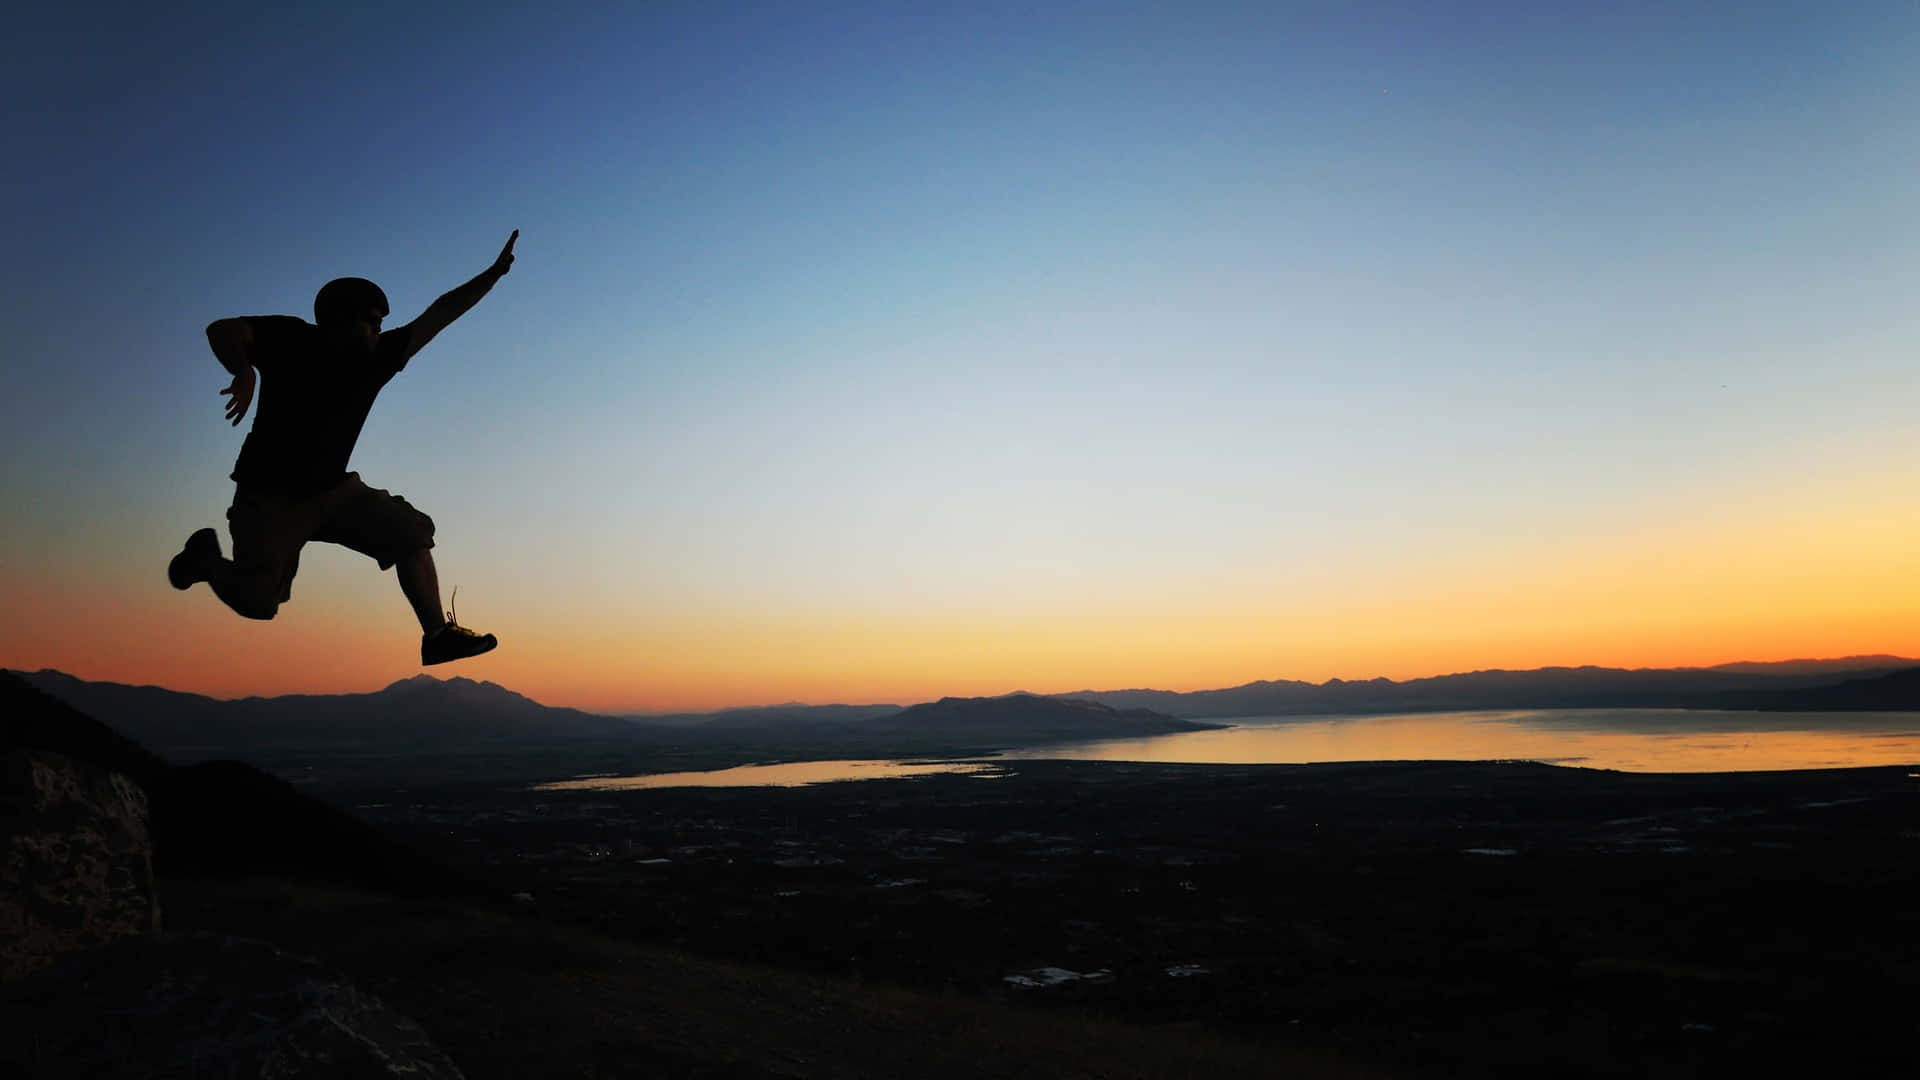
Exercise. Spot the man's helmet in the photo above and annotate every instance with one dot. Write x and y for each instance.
(345, 298)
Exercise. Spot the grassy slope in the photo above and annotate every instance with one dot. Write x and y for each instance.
(507, 994)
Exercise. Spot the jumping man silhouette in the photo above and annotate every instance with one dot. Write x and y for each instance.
(291, 480)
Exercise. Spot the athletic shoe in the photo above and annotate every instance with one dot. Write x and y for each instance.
(453, 642)
(195, 560)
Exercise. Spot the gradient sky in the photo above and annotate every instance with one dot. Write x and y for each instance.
(879, 352)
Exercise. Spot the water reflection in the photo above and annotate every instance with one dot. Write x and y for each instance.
(787, 774)
(1633, 740)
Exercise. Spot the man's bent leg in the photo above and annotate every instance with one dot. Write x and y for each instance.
(197, 560)
(269, 530)
(255, 596)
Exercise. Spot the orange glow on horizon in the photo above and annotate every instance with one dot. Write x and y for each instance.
(697, 667)
(1794, 577)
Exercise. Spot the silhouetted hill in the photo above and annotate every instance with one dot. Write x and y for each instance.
(790, 715)
(1024, 719)
(31, 719)
(227, 817)
(1897, 691)
(412, 715)
(1843, 666)
(1543, 688)
(220, 817)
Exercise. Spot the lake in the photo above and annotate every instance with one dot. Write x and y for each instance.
(1630, 740)
(784, 774)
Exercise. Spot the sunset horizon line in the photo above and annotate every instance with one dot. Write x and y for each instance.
(1881, 657)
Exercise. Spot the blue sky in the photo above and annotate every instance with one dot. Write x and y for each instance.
(1057, 311)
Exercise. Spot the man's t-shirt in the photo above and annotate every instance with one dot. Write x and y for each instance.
(313, 399)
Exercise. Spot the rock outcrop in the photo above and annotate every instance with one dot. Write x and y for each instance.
(90, 987)
(205, 1005)
(76, 860)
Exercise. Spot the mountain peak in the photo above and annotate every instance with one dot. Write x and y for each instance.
(1024, 717)
(457, 689)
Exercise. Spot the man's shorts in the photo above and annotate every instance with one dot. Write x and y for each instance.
(269, 529)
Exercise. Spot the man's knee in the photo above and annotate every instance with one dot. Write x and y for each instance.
(252, 598)
(410, 533)
(381, 525)
(253, 607)
(415, 530)
(260, 609)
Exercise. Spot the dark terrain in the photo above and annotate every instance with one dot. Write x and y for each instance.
(1470, 919)
(1062, 919)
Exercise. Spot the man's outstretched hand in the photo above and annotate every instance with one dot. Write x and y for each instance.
(505, 262)
(240, 392)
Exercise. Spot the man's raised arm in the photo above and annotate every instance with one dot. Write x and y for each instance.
(231, 340)
(457, 301)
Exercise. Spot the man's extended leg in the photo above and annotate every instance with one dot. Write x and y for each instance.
(386, 527)
(421, 582)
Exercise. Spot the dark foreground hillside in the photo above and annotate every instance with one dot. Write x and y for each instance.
(515, 996)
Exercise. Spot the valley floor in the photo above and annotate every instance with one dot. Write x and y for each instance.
(1086, 918)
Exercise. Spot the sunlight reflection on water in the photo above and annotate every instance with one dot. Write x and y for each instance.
(1632, 740)
(787, 774)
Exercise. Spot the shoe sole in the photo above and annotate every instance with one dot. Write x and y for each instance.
(487, 648)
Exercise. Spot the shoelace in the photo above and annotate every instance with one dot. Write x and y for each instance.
(453, 612)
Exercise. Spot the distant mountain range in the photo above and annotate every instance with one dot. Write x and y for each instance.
(1727, 686)
(420, 713)
(427, 715)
